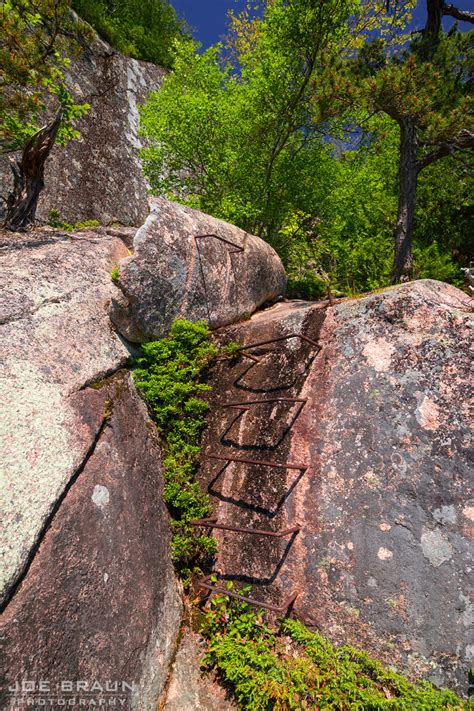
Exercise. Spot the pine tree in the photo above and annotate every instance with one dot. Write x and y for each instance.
(425, 88)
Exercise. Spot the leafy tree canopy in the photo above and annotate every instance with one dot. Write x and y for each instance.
(291, 131)
(36, 38)
(144, 29)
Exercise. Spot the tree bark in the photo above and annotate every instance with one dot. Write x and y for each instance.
(28, 178)
(408, 174)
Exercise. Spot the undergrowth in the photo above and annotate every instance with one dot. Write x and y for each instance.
(115, 274)
(55, 220)
(169, 375)
(298, 669)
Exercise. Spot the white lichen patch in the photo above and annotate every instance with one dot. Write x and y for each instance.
(100, 496)
(38, 459)
(445, 514)
(384, 553)
(435, 547)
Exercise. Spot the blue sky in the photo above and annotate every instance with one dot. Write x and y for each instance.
(208, 17)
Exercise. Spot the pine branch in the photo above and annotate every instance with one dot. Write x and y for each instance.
(463, 15)
(461, 144)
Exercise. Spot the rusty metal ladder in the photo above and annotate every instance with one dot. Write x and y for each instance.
(214, 523)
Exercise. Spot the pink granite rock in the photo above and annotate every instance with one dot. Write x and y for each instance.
(88, 588)
(189, 265)
(385, 505)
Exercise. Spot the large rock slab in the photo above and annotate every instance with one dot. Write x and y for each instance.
(189, 265)
(99, 602)
(85, 179)
(87, 583)
(190, 688)
(55, 339)
(383, 558)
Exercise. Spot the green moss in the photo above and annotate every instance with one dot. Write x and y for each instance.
(294, 668)
(169, 375)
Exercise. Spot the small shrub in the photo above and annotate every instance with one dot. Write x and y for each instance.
(309, 286)
(115, 274)
(432, 263)
(86, 225)
(298, 669)
(168, 375)
(54, 218)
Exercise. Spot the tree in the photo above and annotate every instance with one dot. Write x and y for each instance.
(34, 39)
(144, 29)
(281, 131)
(231, 133)
(425, 88)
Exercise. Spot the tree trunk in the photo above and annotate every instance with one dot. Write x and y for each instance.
(408, 174)
(28, 177)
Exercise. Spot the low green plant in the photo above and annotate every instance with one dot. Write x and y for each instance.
(55, 220)
(168, 375)
(293, 668)
(115, 274)
(86, 224)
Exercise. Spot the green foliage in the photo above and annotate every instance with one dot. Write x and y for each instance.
(168, 375)
(299, 669)
(227, 137)
(281, 132)
(55, 220)
(33, 59)
(115, 274)
(432, 263)
(86, 224)
(144, 29)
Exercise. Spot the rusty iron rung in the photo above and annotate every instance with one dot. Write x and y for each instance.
(266, 606)
(256, 360)
(263, 402)
(214, 523)
(277, 340)
(260, 462)
(237, 247)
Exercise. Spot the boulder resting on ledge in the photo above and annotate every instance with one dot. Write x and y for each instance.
(192, 266)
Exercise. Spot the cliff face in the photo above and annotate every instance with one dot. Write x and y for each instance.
(378, 438)
(99, 176)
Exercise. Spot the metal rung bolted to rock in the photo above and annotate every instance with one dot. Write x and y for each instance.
(258, 462)
(214, 523)
(280, 609)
